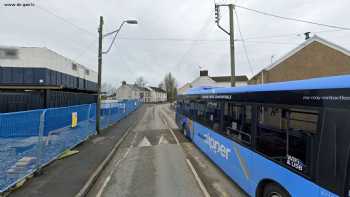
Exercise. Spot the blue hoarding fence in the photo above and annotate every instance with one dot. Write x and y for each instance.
(30, 140)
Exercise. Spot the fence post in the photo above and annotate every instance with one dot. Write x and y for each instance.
(110, 113)
(40, 142)
(88, 116)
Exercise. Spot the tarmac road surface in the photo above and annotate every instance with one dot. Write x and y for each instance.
(153, 161)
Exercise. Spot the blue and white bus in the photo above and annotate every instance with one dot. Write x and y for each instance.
(275, 140)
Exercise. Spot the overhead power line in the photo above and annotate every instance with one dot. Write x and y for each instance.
(66, 20)
(88, 48)
(174, 39)
(243, 43)
(293, 19)
(291, 34)
(198, 41)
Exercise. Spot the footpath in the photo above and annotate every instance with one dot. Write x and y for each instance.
(68, 176)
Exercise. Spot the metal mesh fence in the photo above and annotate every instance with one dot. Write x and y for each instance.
(31, 139)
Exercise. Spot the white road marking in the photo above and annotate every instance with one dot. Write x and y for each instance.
(105, 183)
(219, 189)
(171, 131)
(144, 142)
(163, 140)
(103, 186)
(199, 181)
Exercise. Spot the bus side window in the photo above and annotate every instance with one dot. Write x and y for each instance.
(302, 124)
(237, 121)
(271, 139)
(284, 135)
(213, 115)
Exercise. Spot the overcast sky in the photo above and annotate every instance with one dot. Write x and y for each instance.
(166, 38)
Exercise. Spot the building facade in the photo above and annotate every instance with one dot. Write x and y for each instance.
(315, 57)
(37, 77)
(158, 95)
(220, 81)
(145, 94)
(39, 66)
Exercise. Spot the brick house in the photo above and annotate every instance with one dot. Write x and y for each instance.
(315, 57)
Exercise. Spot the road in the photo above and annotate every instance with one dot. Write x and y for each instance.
(156, 160)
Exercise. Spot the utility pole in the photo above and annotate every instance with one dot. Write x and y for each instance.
(99, 79)
(100, 53)
(232, 47)
(231, 33)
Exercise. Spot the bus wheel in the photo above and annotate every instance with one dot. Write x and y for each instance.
(274, 190)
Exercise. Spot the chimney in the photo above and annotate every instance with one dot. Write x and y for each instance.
(123, 83)
(203, 73)
(307, 35)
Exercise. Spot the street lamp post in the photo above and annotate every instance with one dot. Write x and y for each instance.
(100, 53)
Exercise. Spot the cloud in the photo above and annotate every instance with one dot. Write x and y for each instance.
(169, 22)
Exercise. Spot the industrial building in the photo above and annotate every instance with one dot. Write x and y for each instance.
(37, 77)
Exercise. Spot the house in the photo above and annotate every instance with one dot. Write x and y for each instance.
(315, 57)
(145, 94)
(129, 91)
(220, 81)
(158, 95)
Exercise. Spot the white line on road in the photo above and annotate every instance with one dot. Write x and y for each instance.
(171, 131)
(193, 170)
(199, 181)
(144, 142)
(163, 140)
(105, 183)
(100, 191)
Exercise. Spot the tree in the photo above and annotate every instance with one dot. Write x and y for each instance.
(170, 87)
(141, 82)
(161, 85)
(107, 88)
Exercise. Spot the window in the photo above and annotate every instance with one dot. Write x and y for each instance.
(74, 67)
(11, 53)
(303, 120)
(237, 120)
(199, 111)
(8, 53)
(87, 72)
(284, 135)
(213, 115)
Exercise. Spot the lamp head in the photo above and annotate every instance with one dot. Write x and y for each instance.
(131, 21)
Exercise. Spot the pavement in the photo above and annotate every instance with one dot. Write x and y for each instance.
(66, 177)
